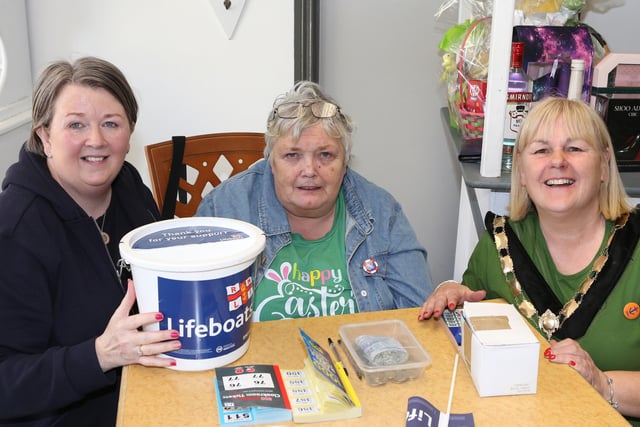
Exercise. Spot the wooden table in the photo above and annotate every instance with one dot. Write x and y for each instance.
(165, 397)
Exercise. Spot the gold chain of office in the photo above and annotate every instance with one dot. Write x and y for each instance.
(548, 322)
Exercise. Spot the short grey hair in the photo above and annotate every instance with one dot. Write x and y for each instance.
(339, 126)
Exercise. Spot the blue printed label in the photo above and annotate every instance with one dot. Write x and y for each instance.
(187, 236)
(212, 316)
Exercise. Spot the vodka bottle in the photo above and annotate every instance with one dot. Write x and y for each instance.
(576, 80)
(519, 97)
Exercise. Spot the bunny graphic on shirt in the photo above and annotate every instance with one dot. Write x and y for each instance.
(320, 295)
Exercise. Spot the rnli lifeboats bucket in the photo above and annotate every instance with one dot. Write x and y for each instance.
(198, 273)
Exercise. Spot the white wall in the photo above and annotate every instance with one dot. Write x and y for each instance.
(15, 81)
(379, 58)
(188, 76)
(616, 23)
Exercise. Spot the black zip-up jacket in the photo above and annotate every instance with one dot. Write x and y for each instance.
(58, 289)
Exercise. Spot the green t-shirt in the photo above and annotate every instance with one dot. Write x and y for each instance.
(612, 340)
(308, 278)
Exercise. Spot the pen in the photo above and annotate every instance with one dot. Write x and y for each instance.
(353, 363)
(333, 348)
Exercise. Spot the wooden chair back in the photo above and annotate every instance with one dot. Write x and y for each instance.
(208, 160)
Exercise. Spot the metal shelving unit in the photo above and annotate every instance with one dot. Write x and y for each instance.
(497, 79)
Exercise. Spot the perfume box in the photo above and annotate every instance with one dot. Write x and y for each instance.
(621, 113)
(615, 95)
(499, 349)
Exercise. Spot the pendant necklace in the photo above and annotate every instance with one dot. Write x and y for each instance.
(105, 236)
(549, 322)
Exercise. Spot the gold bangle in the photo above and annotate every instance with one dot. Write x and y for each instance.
(612, 402)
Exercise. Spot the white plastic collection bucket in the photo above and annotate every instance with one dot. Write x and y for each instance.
(197, 272)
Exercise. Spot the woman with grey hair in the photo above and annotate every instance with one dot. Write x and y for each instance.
(64, 305)
(336, 243)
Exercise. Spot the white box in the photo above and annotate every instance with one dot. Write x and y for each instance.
(500, 350)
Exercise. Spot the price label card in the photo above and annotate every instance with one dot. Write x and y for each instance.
(244, 381)
(237, 417)
(304, 400)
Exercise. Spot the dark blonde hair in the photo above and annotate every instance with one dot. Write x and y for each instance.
(580, 121)
(88, 71)
(339, 126)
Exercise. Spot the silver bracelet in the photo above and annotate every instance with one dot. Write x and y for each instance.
(444, 283)
(612, 402)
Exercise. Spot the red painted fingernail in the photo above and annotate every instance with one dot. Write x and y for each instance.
(547, 351)
(552, 356)
(159, 316)
(451, 306)
(572, 363)
(436, 312)
(175, 334)
(173, 363)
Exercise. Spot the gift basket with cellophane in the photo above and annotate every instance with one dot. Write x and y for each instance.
(465, 51)
(465, 62)
(467, 86)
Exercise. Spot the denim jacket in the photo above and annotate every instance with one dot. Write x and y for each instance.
(377, 232)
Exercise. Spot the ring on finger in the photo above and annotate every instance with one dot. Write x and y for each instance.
(140, 352)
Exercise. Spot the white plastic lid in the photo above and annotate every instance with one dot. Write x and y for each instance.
(192, 244)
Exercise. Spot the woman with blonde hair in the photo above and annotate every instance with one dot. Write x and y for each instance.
(567, 255)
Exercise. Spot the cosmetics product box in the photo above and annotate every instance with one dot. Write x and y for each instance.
(621, 113)
(615, 95)
(500, 350)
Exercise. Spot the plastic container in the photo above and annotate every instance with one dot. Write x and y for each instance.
(198, 273)
(418, 358)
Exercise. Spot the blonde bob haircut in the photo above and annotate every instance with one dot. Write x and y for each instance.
(580, 122)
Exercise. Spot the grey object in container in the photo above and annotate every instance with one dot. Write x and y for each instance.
(391, 331)
(380, 350)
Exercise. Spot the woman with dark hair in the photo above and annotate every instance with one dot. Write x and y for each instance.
(65, 300)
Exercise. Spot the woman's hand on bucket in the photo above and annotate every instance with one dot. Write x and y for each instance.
(123, 343)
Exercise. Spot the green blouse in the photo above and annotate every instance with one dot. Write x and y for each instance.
(612, 340)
